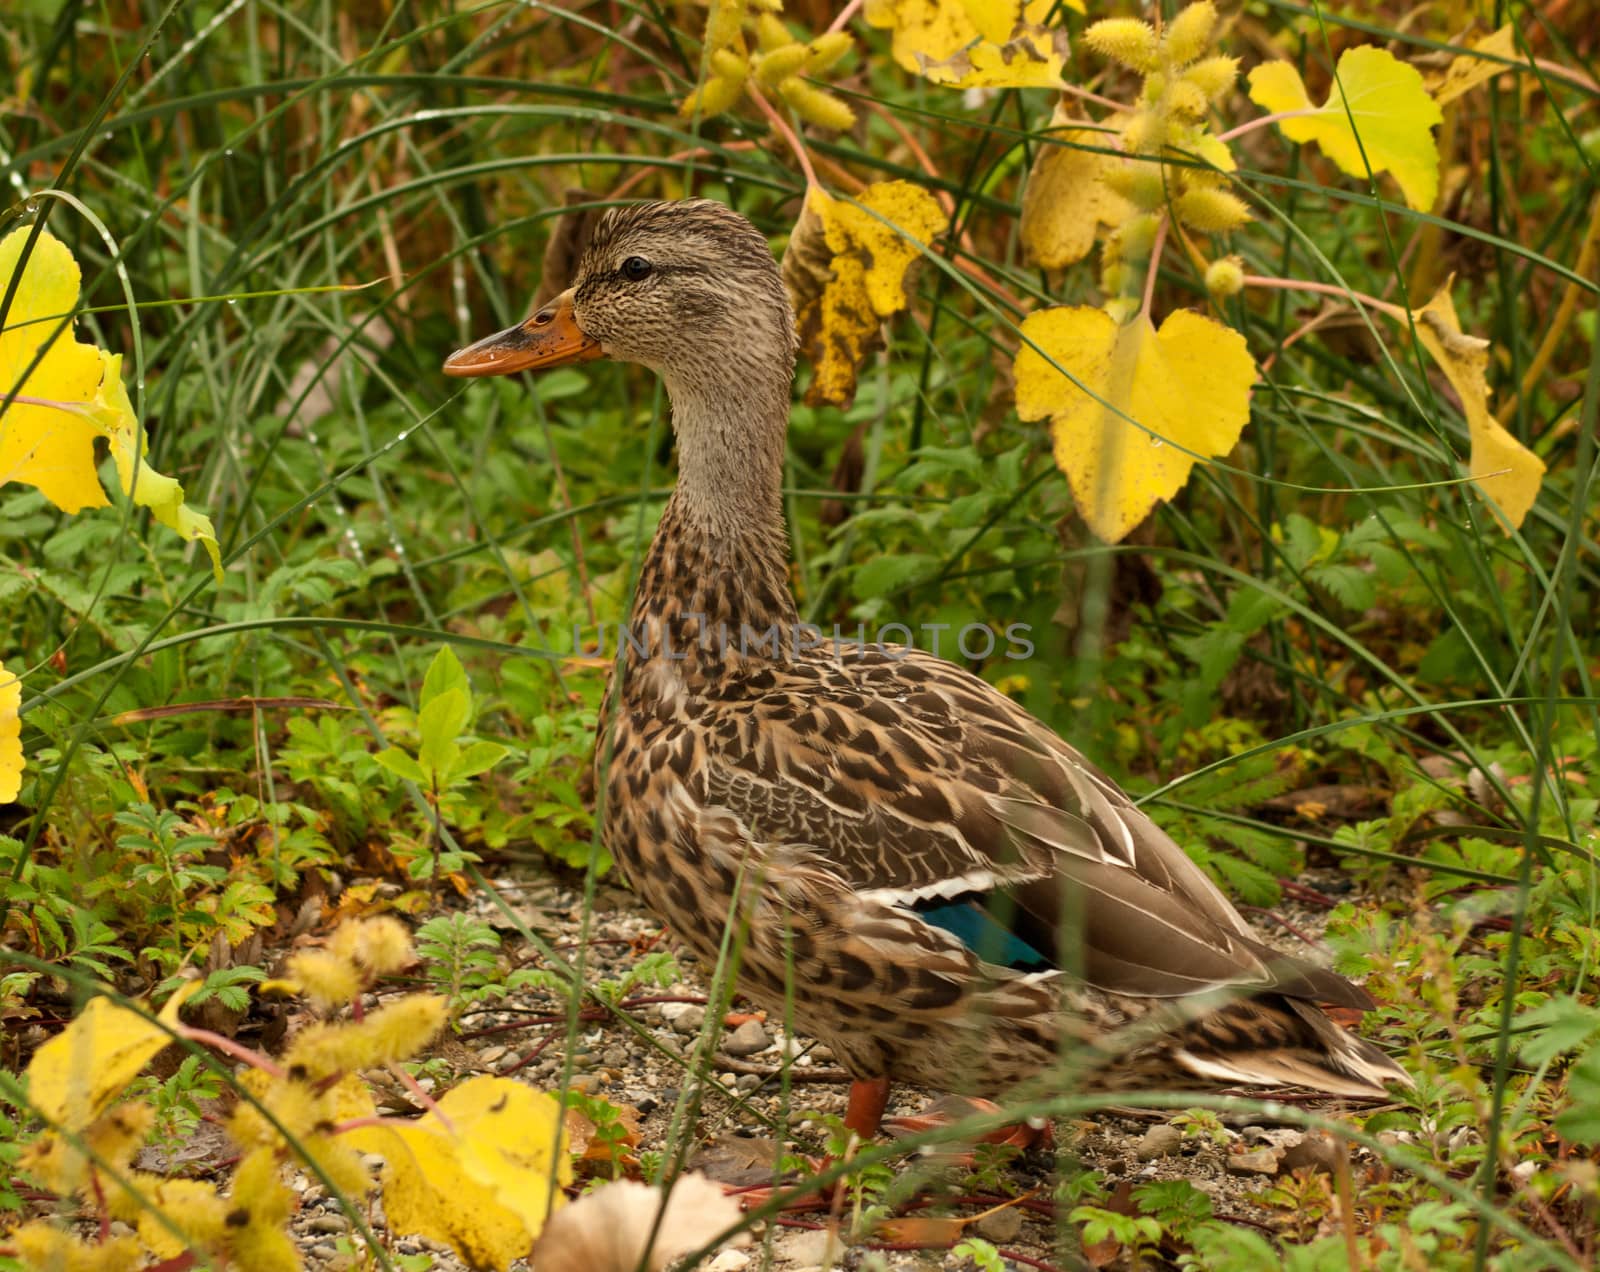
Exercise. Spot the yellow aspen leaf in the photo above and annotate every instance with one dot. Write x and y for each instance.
(477, 1174)
(1067, 200)
(1487, 59)
(1504, 469)
(975, 43)
(73, 396)
(846, 268)
(78, 1073)
(1188, 385)
(50, 447)
(1385, 101)
(11, 758)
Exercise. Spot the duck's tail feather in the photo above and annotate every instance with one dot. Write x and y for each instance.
(1285, 1042)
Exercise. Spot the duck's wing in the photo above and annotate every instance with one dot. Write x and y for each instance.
(925, 788)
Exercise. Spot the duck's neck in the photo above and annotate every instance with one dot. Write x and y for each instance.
(715, 582)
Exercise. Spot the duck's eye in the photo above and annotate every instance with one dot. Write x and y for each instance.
(635, 268)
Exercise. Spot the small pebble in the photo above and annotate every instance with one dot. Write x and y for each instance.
(615, 1058)
(1158, 1141)
(329, 1223)
(748, 1039)
(747, 1082)
(323, 1252)
(1000, 1226)
(489, 1057)
(687, 1021)
(1259, 1161)
(729, 1261)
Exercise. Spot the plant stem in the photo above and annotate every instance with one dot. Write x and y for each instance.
(781, 125)
(1397, 312)
(1250, 125)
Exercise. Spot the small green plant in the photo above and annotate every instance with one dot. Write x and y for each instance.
(441, 763)
(461, 960)
(983, 1255)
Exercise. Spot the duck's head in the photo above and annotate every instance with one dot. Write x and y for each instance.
(688, 289)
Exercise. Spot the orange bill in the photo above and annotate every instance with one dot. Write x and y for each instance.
(551, 338)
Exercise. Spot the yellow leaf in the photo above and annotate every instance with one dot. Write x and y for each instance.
(1390, 109)
(975, 43)
(11, 760)
(1189, 385)
(73, 396)
(1066, 200)
(1505, 470)
(479, 1177)
(846, 266)
(1469, 70)
(112, 410)
(44, 445)
(74, 1076)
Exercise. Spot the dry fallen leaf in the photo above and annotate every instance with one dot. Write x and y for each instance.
(1469, 70)
(609, 1230)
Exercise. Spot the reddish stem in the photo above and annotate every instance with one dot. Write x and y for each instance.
(781, 126)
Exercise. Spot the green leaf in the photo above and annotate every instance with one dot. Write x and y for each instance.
(402, 765)
(441, 721)
(444, 674)
(477, 758)
(890, 573)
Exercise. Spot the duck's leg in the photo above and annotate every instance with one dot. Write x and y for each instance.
(864, 1114)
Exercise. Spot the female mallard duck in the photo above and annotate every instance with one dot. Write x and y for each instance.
(954, 895)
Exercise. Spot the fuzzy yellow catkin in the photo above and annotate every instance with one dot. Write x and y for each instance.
(817, 106)
(324, 977)
(780, 64)
(1187, 101)
(1146, 132)
(723, 23)
(824, 51)
(1136, 235)
(342, 1165)
(728, 65)
(40, 1245)
(1140, 183)
(385, 945)
(1225, 277)
(772, 33)
(1188, 35)
(258, 1194)
(1211, 211)
(1126, 40)
(712, 98)
(1213, 76)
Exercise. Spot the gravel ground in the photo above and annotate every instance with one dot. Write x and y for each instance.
(743, 1113)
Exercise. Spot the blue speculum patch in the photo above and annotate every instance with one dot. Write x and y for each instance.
(984, 934)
